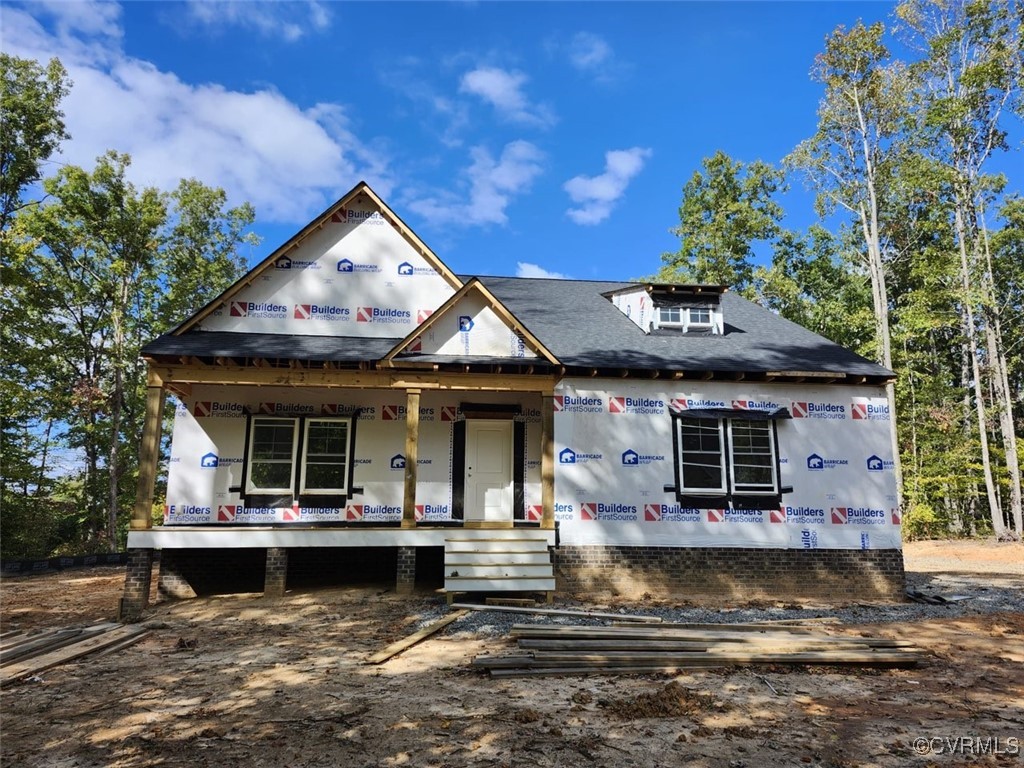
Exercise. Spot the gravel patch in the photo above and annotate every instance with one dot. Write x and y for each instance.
(983, 594)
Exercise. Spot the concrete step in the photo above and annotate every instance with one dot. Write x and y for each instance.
(496, 545)
(499, 584)
(496, 558)
(508, 570)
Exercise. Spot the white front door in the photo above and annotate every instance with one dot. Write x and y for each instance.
(488, 470)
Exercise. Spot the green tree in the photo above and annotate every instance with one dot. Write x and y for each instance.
(33, 125)
(728, 209)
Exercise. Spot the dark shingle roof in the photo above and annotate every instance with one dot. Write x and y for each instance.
(581, 328)
(270, 345)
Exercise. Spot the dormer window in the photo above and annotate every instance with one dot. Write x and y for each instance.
(672, 308)
(670, 316)
(700, 316)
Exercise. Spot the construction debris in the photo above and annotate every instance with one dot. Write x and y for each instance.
(578, 650)
(407, 642)
(25, 656)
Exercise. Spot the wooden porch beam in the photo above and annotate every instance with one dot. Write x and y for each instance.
(412, 438)
(149, 454)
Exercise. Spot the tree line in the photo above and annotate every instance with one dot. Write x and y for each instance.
(92, 268)
(917, 259)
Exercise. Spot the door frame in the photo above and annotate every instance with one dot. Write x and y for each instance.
(511, 494)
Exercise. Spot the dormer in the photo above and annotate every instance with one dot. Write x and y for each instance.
(667, 308)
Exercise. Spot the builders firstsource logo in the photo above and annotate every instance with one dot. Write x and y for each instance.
(253, 310)
(735, 516)
(644, 406)
(798, 515)
(670, 513)
(599, 510)
(863, 409)
(802, 409)
(857, 516)
(693, 403)
(205, 409)
(349, 216)
(400, 413)
(571, 404)
(285, 409)
(385, 315)
(766, 406)
(325, 312)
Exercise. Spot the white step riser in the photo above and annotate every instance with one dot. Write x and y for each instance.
(511, 545)
(486, 571)
(508, 559)
(499, 585)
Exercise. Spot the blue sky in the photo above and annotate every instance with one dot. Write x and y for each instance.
(515, 138)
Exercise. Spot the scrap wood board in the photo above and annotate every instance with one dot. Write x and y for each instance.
(95, 642)
(407, 642)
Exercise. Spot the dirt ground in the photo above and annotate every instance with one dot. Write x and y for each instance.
(248, 681)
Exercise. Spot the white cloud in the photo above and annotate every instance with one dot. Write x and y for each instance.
(597, 195)
(289, 21)
(259, 146)
(526, 269)
(492, 186)
(504, 91)
(589, 52)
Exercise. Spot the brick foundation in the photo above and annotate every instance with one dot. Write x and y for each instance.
(275, 578)
(191, 572)
(137, 581)
(406, 577)
(709, 575)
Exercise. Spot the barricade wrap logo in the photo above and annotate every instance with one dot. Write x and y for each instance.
(383, 315)
(405, 269)
(210, 409)
(858, 516)
(599, 510)
(670, 513)
(286, 263)
(631, 458)
(209, 461)
(798, 515)
(863, 409)
(877, 464)
(735, 516)
(569, 456)
(326, 312)
(570, 404)
(348, 267)
(397, 461)
(817, 463)
(644, 406)
(258, 311)
(807, 410)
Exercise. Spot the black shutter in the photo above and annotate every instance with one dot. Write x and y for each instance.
(519, 470)
(458, 469)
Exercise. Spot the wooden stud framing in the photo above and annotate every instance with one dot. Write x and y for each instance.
(149, 454)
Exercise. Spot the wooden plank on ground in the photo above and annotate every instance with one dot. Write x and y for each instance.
(37, 664)
(561, 612)
(124, 644)
(407, 642)
(589, 671)
(40, 644)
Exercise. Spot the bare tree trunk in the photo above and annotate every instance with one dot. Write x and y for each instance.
(998, 527)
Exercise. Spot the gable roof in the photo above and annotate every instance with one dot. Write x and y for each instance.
(318, 222)
(473, 286)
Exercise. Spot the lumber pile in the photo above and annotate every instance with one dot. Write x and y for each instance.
(547, 650)
(23, 655)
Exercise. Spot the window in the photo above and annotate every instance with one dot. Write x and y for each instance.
(700, 316)
(275, 460)
(670, 316)
(725, 458)
(325, 455)
(272, 455)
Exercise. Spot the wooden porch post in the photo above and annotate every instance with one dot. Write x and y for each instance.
(149, 454)
(412, 436)
(547, 462)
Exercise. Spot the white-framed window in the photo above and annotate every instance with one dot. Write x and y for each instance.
(271, 455)
(670, 316)
(276, 458)
(719, 457)
(325, 456)
(699, 316)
